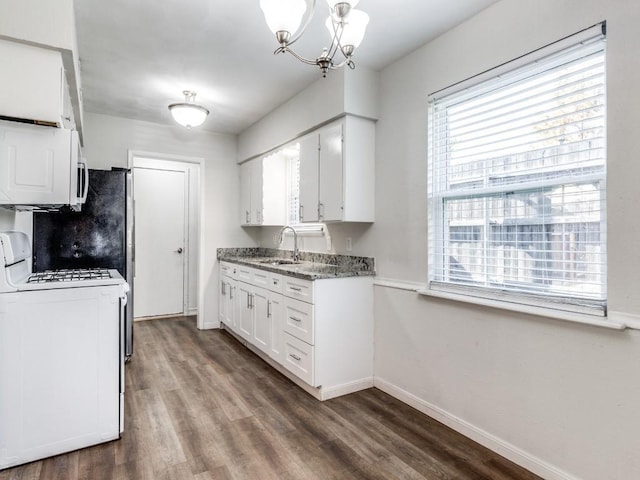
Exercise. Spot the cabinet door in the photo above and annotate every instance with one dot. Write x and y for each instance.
(309, 178)
(32, 87)
(233, 308)
(230, 303)
(245, 312)
(245, 194)
(331, 174)
(298, 358)
(274, 189)
(35, 165)
(262, 319)
(256, 192)
(223, 301)
(275, 310)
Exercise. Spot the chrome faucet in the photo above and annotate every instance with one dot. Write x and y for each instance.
(296, 252)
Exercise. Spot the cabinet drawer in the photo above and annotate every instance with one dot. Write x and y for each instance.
(298, 319)
(260, 278)
(298, 358)
(244, 274)
(227, 269)
(275, 282)
(300, 289)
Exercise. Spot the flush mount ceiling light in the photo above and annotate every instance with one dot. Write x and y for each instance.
(346, 27)
(188, 113)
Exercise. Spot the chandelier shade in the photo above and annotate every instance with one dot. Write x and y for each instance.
(188, 113)
(283, 15)
(353, 30)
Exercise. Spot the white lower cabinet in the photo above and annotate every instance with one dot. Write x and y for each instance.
(298, 319)
(261, 319)
(298, 358)
(245, 311)
(319, 331)
(228, 304)
(275, 314)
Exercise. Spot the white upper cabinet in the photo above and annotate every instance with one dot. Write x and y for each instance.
(246, 210)
(36, 88)
(263, 191)
(309, 181)
(41, 80)
(337, 172)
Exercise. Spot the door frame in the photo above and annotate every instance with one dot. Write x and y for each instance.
(164, 161)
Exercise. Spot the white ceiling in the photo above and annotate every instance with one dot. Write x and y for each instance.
(137, 56)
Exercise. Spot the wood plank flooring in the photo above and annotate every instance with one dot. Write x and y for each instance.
(200, 406)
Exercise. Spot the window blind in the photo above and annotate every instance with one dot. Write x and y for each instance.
(517, 181)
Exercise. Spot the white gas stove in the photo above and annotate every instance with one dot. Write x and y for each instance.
(61, 356)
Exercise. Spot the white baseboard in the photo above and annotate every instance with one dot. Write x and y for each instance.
(507, 450)
(338, 390)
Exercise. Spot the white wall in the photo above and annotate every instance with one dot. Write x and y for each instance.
(562, 399)
(107, 142)
(342, 91)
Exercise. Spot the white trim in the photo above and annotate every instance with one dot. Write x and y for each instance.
(614, 320)
(492, 442)
(575, 317)
(346, 388)
(162, 156)
(143, 157)
(398, 284)
(631, 320)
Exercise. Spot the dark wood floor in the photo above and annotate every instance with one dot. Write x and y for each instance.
(201, 406)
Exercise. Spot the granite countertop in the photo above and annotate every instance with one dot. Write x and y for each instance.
(312, 266)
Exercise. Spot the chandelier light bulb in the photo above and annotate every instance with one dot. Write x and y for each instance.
(283, 15)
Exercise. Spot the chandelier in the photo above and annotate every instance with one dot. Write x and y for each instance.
(188, 113)
(346, 27)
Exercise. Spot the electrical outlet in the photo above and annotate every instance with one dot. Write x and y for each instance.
(349, 246)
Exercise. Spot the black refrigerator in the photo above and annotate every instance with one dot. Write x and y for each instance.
(101, 235)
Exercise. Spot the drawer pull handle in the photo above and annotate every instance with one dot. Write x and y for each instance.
(295, 319)
(295, 357)
(296, 289)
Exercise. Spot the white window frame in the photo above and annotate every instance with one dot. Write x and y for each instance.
(564, 308)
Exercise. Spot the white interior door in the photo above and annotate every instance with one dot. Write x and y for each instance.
(160, 241)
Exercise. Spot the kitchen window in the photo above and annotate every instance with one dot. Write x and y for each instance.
(517, 180)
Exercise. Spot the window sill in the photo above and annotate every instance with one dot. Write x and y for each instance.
(585, 319)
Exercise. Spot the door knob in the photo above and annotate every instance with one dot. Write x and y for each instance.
(179, 250)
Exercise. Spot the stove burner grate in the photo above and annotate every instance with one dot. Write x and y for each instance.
(74, 275)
